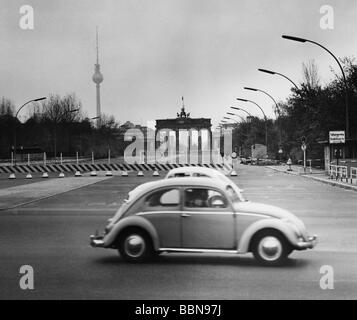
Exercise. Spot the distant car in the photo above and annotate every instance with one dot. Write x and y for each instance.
(192, 171)
(195, 215)
(246, 160)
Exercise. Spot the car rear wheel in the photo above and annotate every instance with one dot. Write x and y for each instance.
(135, 246)
(270, 248)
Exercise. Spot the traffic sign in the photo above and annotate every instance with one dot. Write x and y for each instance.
(336, 137)
(303, 147)
(234, 155)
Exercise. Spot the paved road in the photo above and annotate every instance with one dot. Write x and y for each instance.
(5, 182)
(52, 236)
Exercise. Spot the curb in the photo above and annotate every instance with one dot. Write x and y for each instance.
(329, 182)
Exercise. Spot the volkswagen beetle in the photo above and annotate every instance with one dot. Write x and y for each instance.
(193, 171)
(200, 215)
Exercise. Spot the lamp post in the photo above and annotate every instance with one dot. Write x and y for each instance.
(94, 118)
(276, 106)
(237, 115)
(249, 114)
(228, 118)
(279, 74)
(247, 129)
(33, 100)
(302, 40)
(266, 93)
(265, 118)
(248, 121)
(55, 135)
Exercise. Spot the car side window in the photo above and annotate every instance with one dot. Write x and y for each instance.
(204, 198)
(163, 198)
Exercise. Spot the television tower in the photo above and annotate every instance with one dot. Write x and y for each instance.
(97, 78)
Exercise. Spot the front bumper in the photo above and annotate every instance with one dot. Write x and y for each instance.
(309, 244)
(96, 241)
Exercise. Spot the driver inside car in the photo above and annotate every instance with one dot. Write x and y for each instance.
(197, 198)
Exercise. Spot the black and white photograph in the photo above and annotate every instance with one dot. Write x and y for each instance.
(192, 151)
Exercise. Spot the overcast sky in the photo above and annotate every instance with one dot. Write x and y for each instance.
(152, 52)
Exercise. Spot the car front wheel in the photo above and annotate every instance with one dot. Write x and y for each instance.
(135, 246)
(270, 248)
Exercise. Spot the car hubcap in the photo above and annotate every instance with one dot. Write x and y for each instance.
(134, 246)
(270, 248)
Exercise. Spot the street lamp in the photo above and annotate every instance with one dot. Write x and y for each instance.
(237, 115)
(302, 40)
(93, 118)
(266, 93)
(279, 74)
(33, 100)
(228, 118)
(249, 114)
(55, 133)
(265, 118)
(276, 106)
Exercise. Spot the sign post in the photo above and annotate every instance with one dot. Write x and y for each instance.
(234, 155)
(280, 153)
(303, 148)
(337, 137)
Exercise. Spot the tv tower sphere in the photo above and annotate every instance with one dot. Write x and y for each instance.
(97, 76)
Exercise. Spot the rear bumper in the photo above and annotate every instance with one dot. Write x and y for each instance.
(309, 244)
(96, 241)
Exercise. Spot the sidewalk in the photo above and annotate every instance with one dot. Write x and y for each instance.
(316, 174)
(23, 194)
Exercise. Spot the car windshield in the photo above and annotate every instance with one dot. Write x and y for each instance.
(236, 194)
(232, 194)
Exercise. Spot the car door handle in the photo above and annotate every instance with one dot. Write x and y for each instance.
(185, 215)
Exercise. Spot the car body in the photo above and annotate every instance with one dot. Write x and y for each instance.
(246, 160)
(196, 215)
(193, 171)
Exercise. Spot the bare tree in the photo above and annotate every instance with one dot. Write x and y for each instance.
(57, 109)
(310, 74)
(107, 122)
(6, 107)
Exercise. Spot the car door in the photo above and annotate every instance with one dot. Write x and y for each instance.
(207, 219)
(162, 209)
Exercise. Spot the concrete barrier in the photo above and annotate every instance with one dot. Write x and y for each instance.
(88, 167)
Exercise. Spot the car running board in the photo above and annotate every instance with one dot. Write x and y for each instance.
(190, 250)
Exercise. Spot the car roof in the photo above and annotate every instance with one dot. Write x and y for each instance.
(177, 182)
(194, 169)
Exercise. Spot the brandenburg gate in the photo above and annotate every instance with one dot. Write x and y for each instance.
(183, 122)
